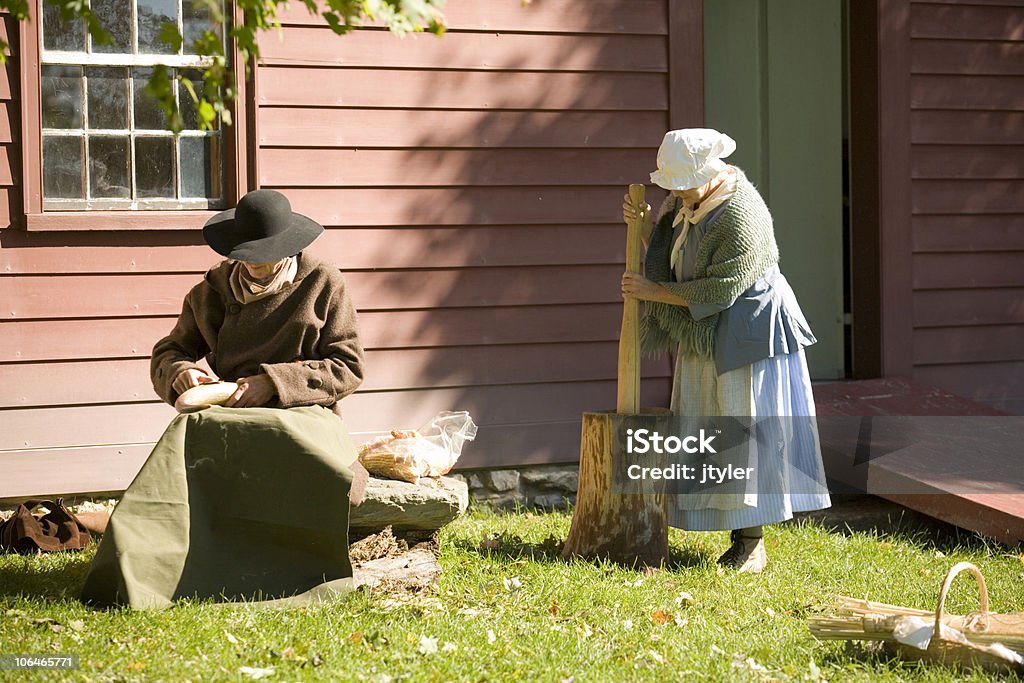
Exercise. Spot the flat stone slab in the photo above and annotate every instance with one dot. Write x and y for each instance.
(422, 507)
(416, 568)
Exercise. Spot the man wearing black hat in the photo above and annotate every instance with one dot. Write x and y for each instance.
(248, 501)
(274, 320)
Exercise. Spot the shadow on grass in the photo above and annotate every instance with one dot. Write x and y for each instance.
(513, 547)
(50, 577)
(863, 514)
(872, 655)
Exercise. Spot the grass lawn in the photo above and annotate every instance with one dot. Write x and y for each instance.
(507, 609)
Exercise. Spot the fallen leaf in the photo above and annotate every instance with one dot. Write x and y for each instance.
(288, 652)
(512, 584)
(685, 598)
(586, 631)
(355, 637)
(754, 666)
(814, 673)
(491, 541)
(554, 607)
(256, 672)
(428, 645)
(660, 617)
(317, 659)
(136, 666)
(77, 625)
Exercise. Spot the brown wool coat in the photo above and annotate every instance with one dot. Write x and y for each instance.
(304, 337)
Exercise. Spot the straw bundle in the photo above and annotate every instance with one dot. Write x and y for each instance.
(981, 638)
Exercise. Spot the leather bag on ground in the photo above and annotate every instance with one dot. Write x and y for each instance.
(58, 529)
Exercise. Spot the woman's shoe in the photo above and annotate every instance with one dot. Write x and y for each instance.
(746, 554)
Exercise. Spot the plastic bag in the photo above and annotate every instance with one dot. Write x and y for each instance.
(430, 451)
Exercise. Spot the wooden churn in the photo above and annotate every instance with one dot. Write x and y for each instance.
(626, 528)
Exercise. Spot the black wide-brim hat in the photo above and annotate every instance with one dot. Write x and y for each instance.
(261, 229)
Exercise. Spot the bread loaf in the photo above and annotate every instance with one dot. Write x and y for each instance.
(204, 396)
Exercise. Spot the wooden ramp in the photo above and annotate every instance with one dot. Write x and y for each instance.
(928, 450)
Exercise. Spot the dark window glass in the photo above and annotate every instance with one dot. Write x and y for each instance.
(152, 15)
(108, 166)
(116, 18)
(188, 107)
(61, 89)
(108, 97)
(60, 35)
(62, 167)
(154, 167)
(195, 19)
(200, 167)
(148, 114)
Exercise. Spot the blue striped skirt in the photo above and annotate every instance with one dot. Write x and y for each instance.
(790, 476)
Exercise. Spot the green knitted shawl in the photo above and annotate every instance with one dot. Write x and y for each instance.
(737, 248)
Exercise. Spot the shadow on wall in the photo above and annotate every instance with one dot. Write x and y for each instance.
(487, 273)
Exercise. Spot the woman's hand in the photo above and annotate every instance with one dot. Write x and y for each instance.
(629, 213)
(187, 379)
(636, 286)
(252, 392)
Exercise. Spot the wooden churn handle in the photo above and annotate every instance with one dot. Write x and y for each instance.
(628, 402)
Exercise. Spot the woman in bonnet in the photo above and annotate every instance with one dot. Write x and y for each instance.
(714, 295)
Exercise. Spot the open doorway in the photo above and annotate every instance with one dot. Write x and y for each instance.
(774, 75)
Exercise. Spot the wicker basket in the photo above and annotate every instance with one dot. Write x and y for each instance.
(968, 641)
(945, 648)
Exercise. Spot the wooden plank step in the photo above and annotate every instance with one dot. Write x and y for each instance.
(926, 449)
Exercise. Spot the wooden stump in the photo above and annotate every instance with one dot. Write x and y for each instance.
(629, 529)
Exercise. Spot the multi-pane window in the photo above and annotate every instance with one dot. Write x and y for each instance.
(105, 141)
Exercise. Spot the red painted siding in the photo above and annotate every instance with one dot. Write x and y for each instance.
(967, 196)
(470, 186)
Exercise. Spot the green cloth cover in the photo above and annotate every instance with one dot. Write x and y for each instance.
(233, 504)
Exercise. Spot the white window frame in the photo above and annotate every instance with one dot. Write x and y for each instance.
(240, 168)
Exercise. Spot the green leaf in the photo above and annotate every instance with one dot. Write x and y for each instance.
(170, 35)
(207, 115)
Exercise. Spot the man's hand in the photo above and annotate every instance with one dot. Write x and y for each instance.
(252, 392)
(187, 379)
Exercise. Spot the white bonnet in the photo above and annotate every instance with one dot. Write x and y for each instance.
(690, 157)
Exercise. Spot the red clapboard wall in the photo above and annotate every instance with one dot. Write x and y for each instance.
(966, 93)
(470, 187)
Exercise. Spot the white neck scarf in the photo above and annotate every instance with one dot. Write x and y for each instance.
(720, 195)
